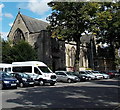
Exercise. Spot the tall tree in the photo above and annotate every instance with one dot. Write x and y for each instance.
(69, 20)
(106, 25)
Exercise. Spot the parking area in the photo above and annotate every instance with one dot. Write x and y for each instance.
(92, 94)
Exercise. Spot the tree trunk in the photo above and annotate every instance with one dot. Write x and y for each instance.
(77, 56)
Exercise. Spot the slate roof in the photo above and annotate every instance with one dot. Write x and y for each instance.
(34, 25)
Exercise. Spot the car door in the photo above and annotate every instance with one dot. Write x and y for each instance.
(61, 76)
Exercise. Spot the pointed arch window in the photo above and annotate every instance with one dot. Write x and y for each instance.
(18, 35)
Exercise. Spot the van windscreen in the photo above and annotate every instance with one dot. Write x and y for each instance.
(44, 69)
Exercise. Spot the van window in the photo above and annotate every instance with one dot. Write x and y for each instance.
(1, 69)
(7, 69)
(37, 71)
(27, 69)
(44, 69)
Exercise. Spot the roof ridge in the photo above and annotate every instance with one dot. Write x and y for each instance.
(33, 18)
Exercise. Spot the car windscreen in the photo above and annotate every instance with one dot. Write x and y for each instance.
(6, 75)
(82, 72)
(23, 75)
(70, 73)
(44, 69)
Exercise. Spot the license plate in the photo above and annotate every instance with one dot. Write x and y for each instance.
(13, 84)
(54, 80)
(31, 83)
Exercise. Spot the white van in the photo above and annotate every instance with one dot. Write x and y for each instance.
(39, 71)
(6, 67)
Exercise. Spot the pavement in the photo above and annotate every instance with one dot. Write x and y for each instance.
(93, 95)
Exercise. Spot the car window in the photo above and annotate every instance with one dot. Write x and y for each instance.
(82, 72)
(23, 75)
(6, 75)
(12, 75)
(60, 73)
(69, 73)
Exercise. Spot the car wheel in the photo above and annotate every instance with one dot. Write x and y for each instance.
(69, 80)
(15, 87)
(21, 85)
(1, 86)
(41, 82)
(52, 84)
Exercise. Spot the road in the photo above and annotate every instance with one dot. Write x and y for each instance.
(103, 94)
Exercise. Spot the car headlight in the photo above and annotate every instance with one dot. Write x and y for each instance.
(24, 79)
(17, 81)
(6, 82)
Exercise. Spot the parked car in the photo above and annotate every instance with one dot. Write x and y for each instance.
(65, 76)
(105, 75)
(7, 81)
(117, 74)
(97, 74)
(88, 74)
(111, 73)
(23, 79)
(82, 77)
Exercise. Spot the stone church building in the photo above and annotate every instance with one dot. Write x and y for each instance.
(49, 50)
(58, 55)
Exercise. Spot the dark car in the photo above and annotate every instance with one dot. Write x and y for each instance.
(82, 77)
(7, 81)
(24, 79)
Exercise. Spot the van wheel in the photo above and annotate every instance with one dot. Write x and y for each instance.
(41, 82)
(21, 85)
(69, 80)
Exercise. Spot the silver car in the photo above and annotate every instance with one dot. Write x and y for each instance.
(65, 76)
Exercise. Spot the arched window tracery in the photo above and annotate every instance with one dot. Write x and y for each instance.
(18, 35)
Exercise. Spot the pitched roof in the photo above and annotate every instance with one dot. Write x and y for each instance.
(34, 25)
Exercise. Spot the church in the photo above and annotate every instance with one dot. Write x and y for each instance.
(49, 50)
(58, 55)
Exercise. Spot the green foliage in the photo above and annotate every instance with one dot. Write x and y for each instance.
(70, 19)
(21, 51)
(106, 24)
(6, 52)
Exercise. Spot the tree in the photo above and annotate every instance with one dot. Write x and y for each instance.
(21, 51)
(6, 52)
(69, 20)
(106, 25)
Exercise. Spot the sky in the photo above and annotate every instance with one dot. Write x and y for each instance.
(33, 8)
